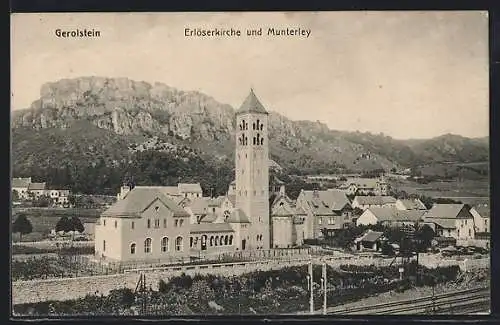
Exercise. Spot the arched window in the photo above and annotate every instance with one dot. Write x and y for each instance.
(178, 244)
(254, 140)
(221, 240)
(243, 122)
(226, 239)
(258, 138)
(262, 141)
(132, 248)
(253, 126)
(190, 241)
(258, 124)
(216, 240)
(103, 245)
(258, 237)
(147, 245)
(261, 126)
(211, 240)
(164, 244)
(231, 240)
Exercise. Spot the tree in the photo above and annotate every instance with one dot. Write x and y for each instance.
(63, 224)
(22, 225)
(76, 224)
(424, 236)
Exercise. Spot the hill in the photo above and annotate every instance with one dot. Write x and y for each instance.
(90, 122)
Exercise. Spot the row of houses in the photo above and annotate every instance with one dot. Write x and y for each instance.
(28, 190)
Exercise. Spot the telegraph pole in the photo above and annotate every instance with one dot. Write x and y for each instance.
(324, 288)
(311, 288)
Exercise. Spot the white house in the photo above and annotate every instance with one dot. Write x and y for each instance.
(365, 186)
(377, 201)
(452, 220)
(481, 214)
(390, 216)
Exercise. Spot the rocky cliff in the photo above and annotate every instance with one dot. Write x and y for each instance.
(135, 108)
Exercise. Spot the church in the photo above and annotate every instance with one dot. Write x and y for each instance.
(164, 222)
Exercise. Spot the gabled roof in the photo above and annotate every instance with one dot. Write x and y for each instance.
(371, 236)
(21, 182)
(36, 186)
(445, 211)
(413, 204)
(483, 210)
(374, 200)
(138, 200)
(331, 199)
(394, 215)
(251, 105)
(210, 227)
(199, 205)
(189, 188)
(238, 216)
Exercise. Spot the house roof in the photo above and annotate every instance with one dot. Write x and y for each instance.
(210, 227)
(138, 200)
(413, 204)
(483, 210)
(320, 201)
(21, 182)
(165, 190)
(445, 223)
(189, 188)
(36, 186)
(198, 205)
(371, 236)
(395, 215)
(238, 216)
(251, 105)
(445, 211)
(374, 200)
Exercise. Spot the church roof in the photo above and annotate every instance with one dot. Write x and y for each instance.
(238, 216)
(252, 105)
(138, 200)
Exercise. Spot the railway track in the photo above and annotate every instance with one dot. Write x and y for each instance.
(457, 302)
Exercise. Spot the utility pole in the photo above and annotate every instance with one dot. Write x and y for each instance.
(311, 288)
(324, 288)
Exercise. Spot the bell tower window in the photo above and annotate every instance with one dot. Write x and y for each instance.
(262, 141)
(253, 126)
(254, 140)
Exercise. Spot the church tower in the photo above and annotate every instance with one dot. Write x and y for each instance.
(252, 171)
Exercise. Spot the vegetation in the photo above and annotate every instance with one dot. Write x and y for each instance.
(22, 225)
(66, 224)
(261, 292)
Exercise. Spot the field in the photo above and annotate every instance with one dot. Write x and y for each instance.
(44, 220)
(466, 188)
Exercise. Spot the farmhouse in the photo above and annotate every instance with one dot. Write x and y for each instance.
(390, 216)
(378, 201)
(452, 220)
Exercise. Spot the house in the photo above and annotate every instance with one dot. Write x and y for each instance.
(326, 210)
(377, 201)
(59, 197)
(410, 204)
(37, 189)
(452, 220)
(481, 214)
(370, 240)
(365, 186)
(390, 216)
(20, 185)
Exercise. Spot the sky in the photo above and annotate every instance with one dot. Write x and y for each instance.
(404, 74)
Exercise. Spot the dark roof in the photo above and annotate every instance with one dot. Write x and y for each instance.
(252, 105)
(238, 216)
(210, 227)
(371, 236)
(483, 210)
(138, 200)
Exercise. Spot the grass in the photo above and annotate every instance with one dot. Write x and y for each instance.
(467, 188)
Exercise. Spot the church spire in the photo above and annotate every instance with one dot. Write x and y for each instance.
(252, 105)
